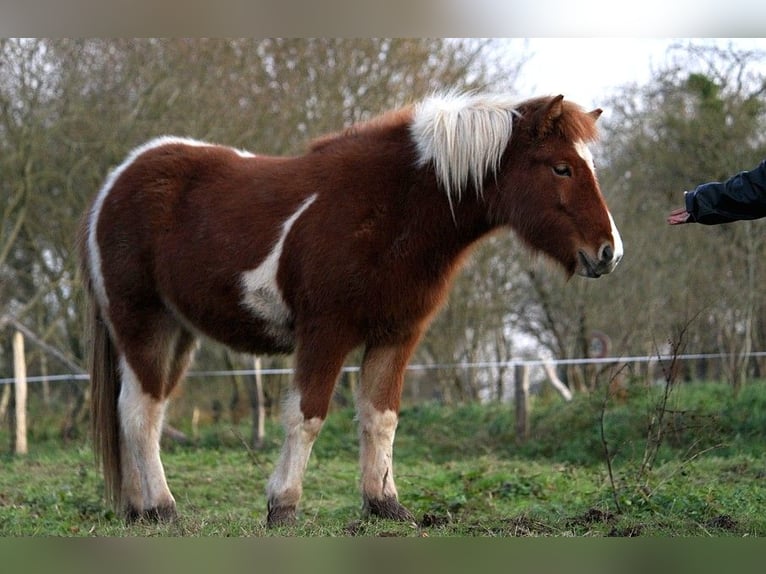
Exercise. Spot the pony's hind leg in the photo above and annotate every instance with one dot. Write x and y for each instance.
(145, 492)
(377, 406)
(147, 376)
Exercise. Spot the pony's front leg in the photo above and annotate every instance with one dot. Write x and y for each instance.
(303, 415)
(377, 406)
(285, 486)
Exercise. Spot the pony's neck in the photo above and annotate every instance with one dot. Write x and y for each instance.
(449, 232)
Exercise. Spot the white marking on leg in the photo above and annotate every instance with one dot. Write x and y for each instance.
(286, 483)
(141, 416)
(376, 444)
(261, 294)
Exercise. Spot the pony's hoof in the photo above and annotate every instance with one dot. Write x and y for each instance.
(389, 508)
(162, 513)
(281, 516)
(131, 514)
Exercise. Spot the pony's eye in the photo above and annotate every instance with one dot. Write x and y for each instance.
(562, 169)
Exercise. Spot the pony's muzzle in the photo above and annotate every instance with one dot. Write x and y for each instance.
(605, 254)
(609, 257)
(605, 261)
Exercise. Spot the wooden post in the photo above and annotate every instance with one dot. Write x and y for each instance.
(195, 423)
(46, 384)
(257, 404)
(20, 374)
(521, 398)
(5, 400)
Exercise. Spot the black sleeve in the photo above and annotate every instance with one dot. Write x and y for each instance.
(742, 196)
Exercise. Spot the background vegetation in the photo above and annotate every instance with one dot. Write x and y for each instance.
(71, 109)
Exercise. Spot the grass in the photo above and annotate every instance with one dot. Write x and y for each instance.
(458, 469)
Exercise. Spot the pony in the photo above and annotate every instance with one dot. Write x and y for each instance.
(352, 244)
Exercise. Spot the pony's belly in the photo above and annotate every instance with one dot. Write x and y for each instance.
(268, 310)
(254, 337)
(242, 329)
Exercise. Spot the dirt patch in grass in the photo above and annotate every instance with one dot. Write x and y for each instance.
(596, 516)
(434, 520)
(724, 522)
(592, 516)
(626, 532)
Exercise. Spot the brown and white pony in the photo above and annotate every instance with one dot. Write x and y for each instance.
(354, 243)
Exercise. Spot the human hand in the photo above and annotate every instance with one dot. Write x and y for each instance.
(678, 216)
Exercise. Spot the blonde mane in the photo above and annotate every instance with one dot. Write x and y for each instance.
(464, 136)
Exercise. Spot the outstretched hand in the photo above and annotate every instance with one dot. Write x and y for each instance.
(678, 216)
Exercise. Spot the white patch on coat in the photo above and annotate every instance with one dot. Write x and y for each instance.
(261, 294)
(285, 485)
(464, 136)
(143, 484)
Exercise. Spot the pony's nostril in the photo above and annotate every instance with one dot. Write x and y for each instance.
(607, 253)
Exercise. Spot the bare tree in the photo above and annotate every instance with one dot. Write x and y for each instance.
(699, 120)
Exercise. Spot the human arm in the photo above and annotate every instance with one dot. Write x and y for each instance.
(742, 196)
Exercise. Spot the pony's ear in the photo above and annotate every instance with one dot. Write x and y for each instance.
(550, 113)
(596, 113)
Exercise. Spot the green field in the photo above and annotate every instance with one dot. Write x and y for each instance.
(693, 466)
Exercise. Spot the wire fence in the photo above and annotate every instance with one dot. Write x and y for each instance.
(503, 365)
(59, 400)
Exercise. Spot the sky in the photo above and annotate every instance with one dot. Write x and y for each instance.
(588, 70)
(394, 18)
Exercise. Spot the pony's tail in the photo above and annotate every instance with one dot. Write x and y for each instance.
(103, 367)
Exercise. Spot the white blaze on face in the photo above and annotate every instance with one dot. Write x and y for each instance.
(618, 249)
(584, 152)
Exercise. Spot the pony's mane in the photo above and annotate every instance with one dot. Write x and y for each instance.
(463, 135)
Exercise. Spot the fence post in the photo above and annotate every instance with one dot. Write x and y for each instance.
(258, 405)
(521, 399)
(20, 374)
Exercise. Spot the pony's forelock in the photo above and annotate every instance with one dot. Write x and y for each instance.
(463, 135)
